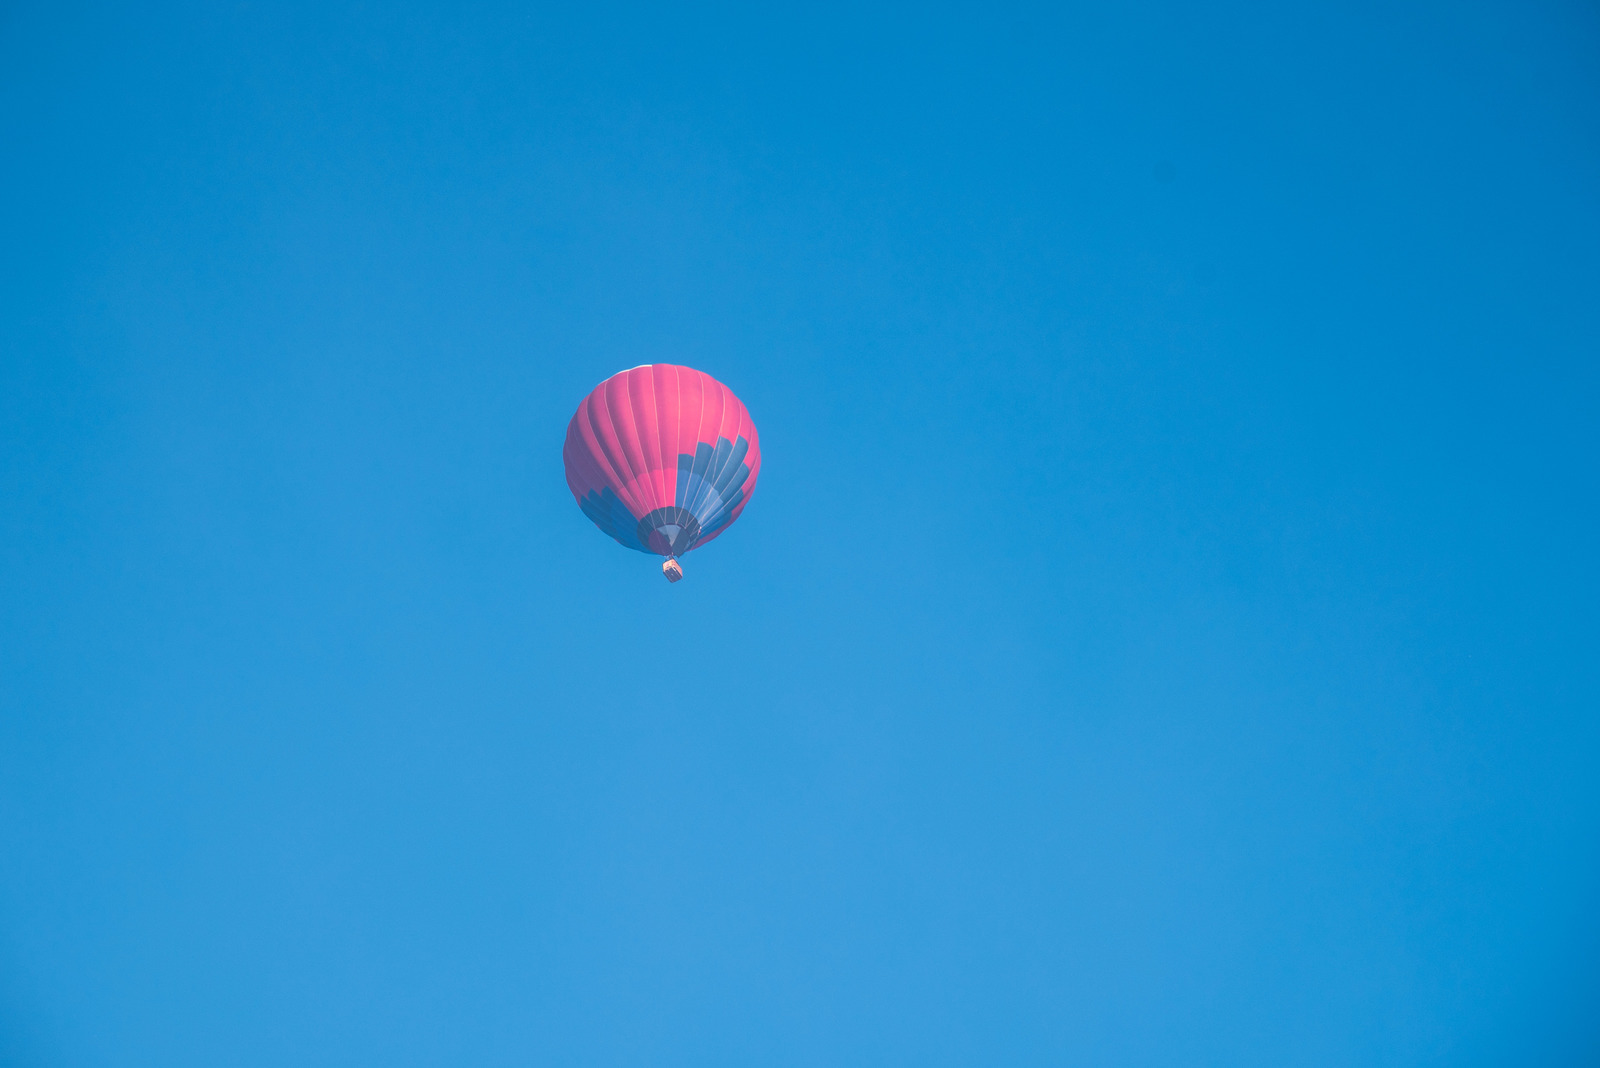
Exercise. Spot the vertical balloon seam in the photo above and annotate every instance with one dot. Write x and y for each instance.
(752, 458)
(706, 462)
(658, 446)
(680, 488)
(569, 452)
(715, 470)
(650, 439)
(696, 505)
(685, 408)
(725, 488)
(644, 416)
(639, 454)
(580, 480)
(755, 468)
(603, 498)
(593, 448)
(610, 447)
(747, 427)
(696, 471)
(732, 413)
(587, 469)
(619, 411)
(669, 416)
(733, 419)
(689, 404)
(615, 400)
(689, 448)
(642, 403)
(582, 490)
(735, 496)
(588, 465)
(609, 431)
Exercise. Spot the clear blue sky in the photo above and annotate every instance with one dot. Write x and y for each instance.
(1164, 632)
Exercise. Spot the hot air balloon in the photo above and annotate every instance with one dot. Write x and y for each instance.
(662, 458)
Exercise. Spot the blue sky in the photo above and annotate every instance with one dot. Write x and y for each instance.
(1163, 634)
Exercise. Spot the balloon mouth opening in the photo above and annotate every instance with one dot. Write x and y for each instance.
(672, 569)
(669, 531)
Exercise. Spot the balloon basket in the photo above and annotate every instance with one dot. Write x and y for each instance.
(672, 569)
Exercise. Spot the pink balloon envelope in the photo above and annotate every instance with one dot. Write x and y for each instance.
(662, 458)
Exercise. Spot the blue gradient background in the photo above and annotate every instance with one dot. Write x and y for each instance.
(1164, 633)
